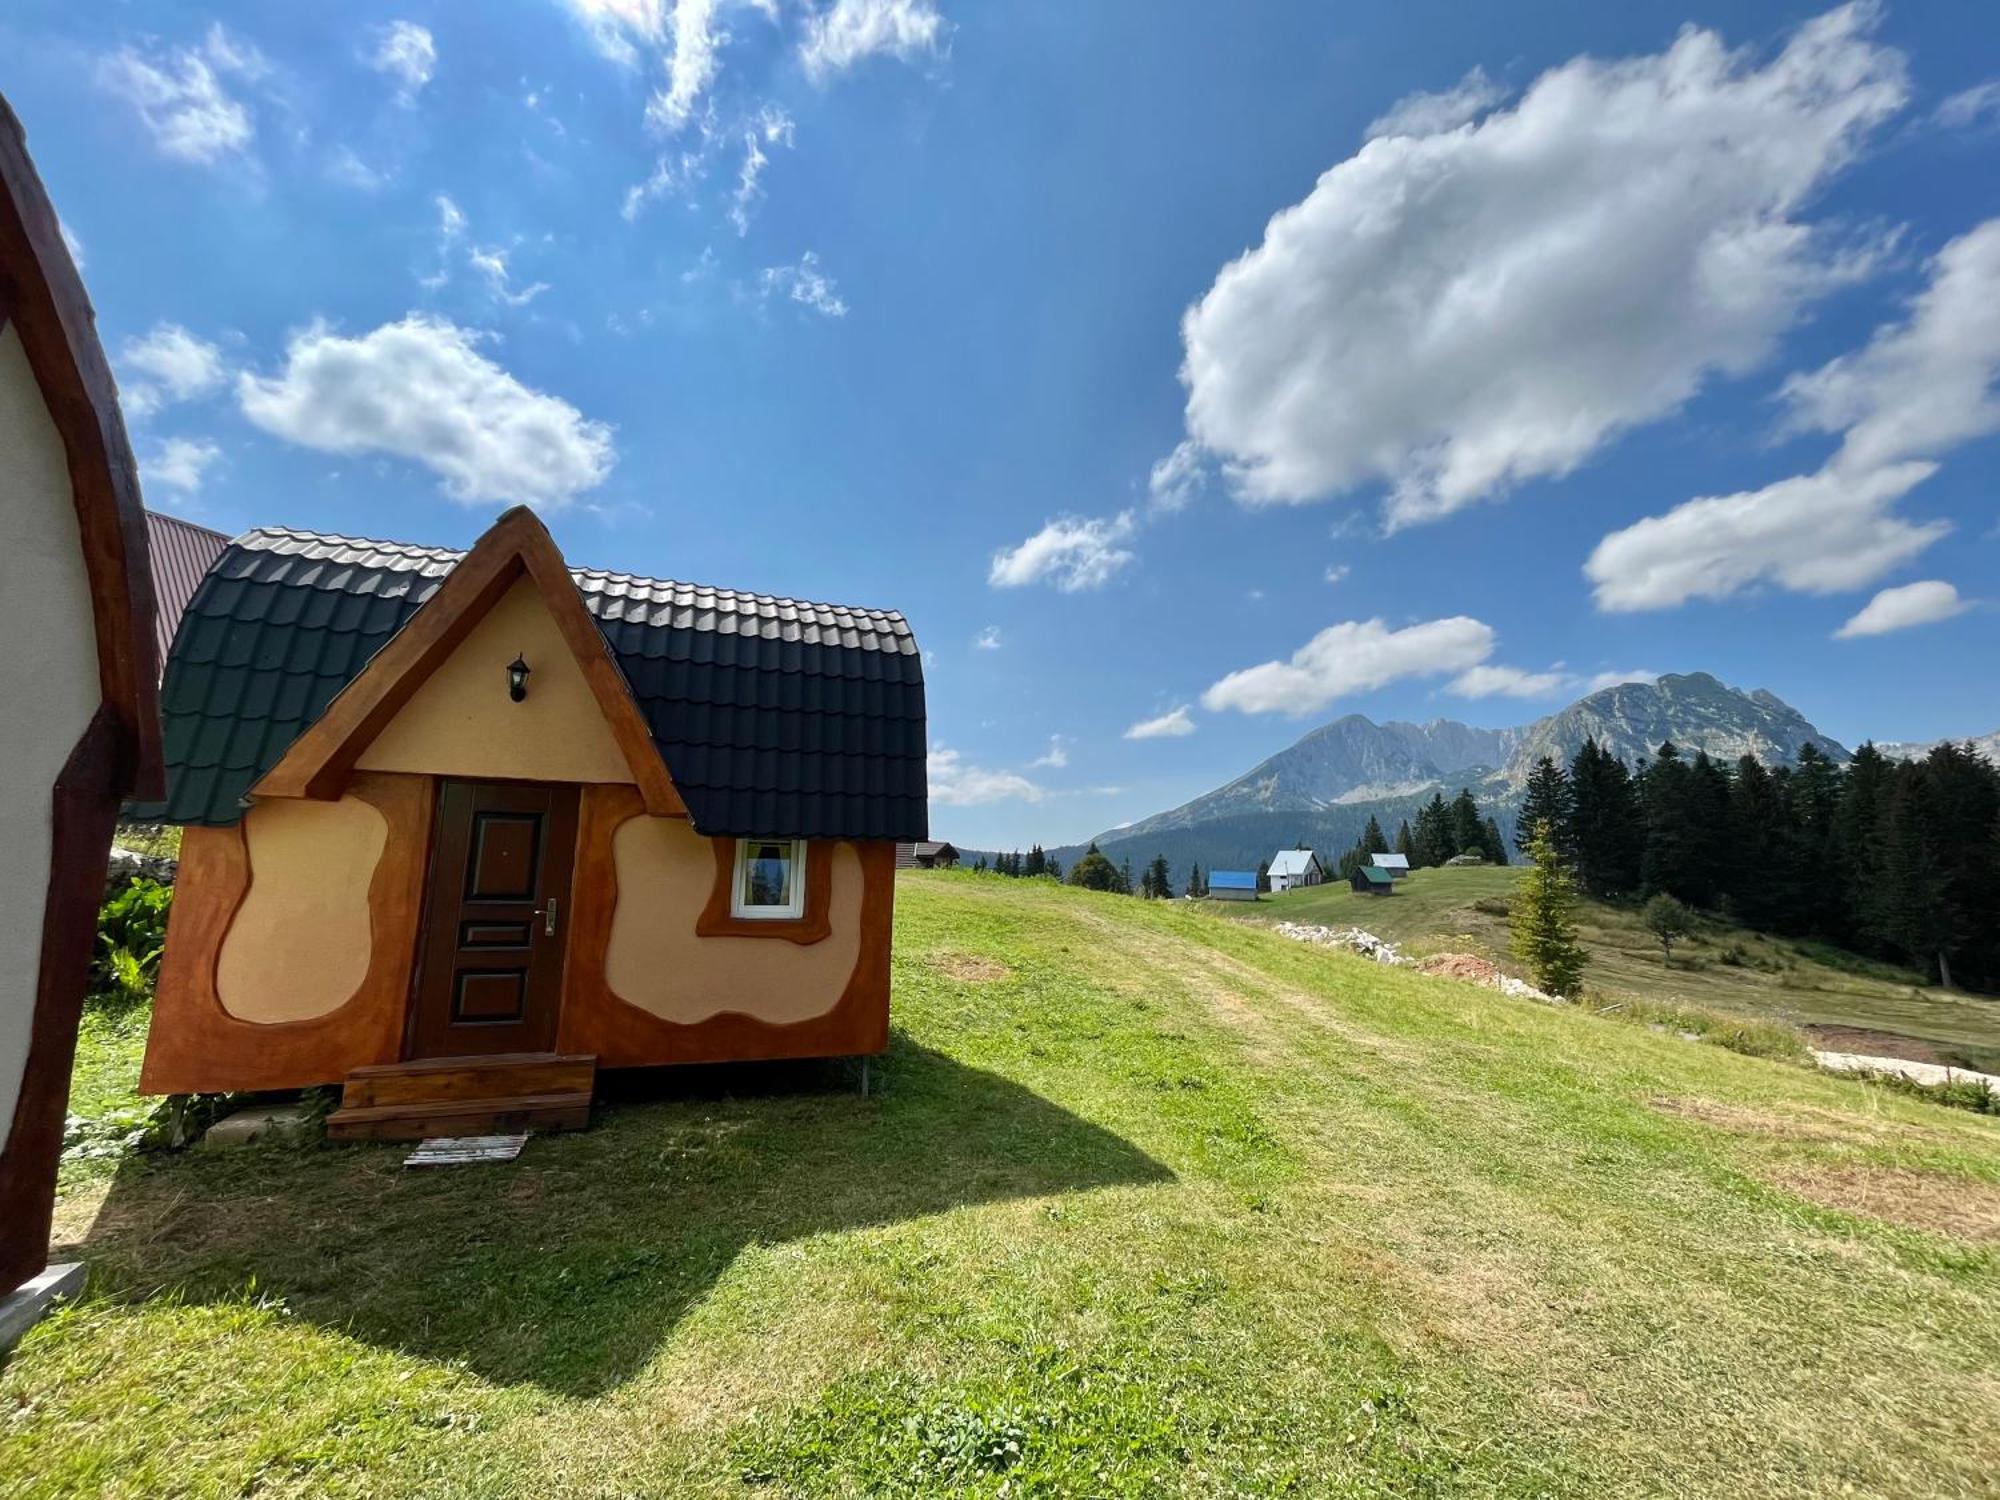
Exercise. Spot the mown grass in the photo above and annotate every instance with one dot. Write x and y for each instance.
(1149, 1202)
(1721, 968)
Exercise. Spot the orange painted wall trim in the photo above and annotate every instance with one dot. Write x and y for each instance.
(623, 1035)
(196, 1046)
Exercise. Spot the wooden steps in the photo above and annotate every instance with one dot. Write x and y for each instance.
(497, 1095)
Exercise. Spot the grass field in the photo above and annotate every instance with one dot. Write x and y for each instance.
(1150, 1202)
(1723, 968)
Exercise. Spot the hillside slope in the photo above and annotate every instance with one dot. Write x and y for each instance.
(1721, 968)
(1146, 1202)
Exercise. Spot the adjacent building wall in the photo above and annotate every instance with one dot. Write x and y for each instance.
(48, 679)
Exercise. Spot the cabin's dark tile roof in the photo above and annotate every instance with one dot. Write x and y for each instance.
(774, 716)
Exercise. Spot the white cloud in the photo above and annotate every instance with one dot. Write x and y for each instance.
(804, 284)
(345, 166)
(1977, 105)
(953, 783)
(1171, 725)
(1925, 385)
(850, 30)
(1457, 312)
(1435, 114)
(407, 53)
(1507, 682)
(987, 639)
(492, 265)
(1335, 572)
(1599, 681)
(1352, 657)
(179, 464)
(771, 127)
(420, 389)
(182, 102)
(1813, 533)
(1920, 388)
(693, 66)
(613, 24)
(1899, 608)
(1056, 757)
(1177, 478)
(71, 243)
(168, 365)
(1071, 553)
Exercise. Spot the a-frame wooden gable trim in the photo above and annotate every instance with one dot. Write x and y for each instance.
(321, 760)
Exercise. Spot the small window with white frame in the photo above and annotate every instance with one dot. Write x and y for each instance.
(770, 879)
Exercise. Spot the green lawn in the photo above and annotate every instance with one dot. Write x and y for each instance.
(1149, 1202)
(1724, 968)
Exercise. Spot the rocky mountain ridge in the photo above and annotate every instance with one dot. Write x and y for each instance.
(1354, 760)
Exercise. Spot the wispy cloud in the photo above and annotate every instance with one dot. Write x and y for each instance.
(1069, 552)
(1174, 724)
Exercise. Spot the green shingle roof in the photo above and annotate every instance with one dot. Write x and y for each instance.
(774, 716)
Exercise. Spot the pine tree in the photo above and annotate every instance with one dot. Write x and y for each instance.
(1549, 801)
(1496, 846)
(1468, 832)
(1055, 870)
(1263, 875)
(1194, 884)
(1372, 841)
(1038, 862)
(1125, 876)
(1606, 827)
(1432, 839)
(1159, 879)
(1405, 845)
(979, 865)
(1543, 919)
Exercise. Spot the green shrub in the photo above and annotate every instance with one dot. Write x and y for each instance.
(1751, 1038)
(131, 932)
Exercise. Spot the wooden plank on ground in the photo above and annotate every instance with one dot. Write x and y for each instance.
(462, 1150)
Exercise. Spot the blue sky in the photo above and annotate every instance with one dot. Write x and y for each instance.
(1414, 360)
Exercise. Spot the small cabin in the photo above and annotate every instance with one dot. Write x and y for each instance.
(1373, 880)
(78, 675)
(470, 825)
(1398, 865)
(1291, 868)
(1232, 885)
(926, 854)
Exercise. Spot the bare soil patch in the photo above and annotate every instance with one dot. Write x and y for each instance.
(1872, 1043)
(1805, 1124)
(1961, 1207)
(1467, 966)
(970, 968)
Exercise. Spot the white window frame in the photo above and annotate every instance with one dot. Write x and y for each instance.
(792, 910)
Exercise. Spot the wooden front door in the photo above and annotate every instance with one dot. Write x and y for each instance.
(489, 966)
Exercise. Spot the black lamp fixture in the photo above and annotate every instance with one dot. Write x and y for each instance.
(517, 679)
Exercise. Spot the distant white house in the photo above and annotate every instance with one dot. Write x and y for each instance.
(1398, 865)
(1295, 867)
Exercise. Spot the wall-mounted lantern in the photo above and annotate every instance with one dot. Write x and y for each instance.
(517, 679)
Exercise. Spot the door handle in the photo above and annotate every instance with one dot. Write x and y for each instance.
(548, 916)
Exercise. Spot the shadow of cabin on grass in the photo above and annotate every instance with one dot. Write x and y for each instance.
(569, 1267)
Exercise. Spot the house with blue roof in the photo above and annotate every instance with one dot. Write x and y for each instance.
(1232, 885)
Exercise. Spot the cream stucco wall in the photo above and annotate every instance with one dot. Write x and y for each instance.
(48, 679)
(462, 723)
(654, 960)
(299, 944)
